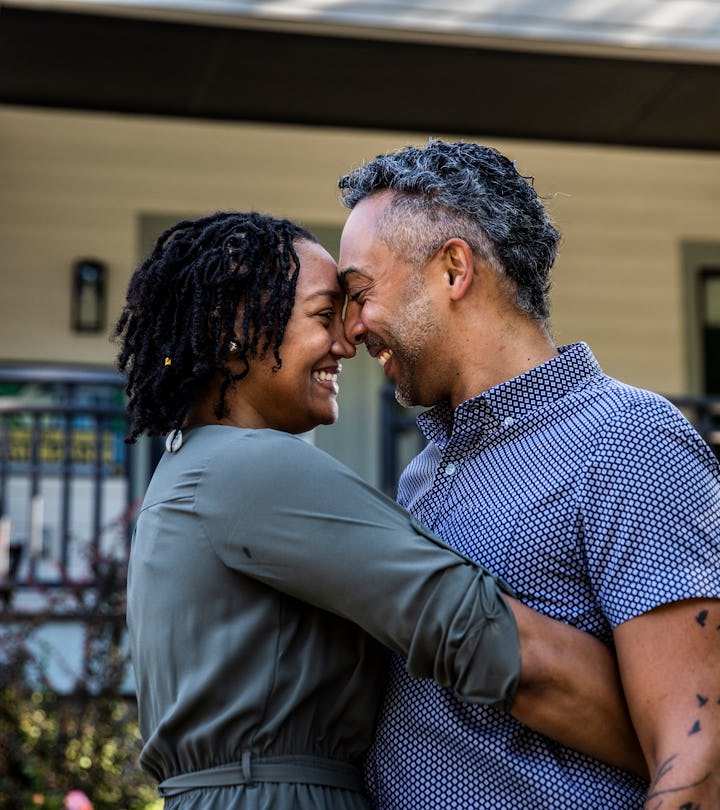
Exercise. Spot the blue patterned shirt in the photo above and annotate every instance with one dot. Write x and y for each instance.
(597, 502)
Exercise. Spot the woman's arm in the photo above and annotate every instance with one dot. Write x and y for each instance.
(306, 525)
(570, 691)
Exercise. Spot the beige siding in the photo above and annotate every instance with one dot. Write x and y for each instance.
(618, 282)
(74, 185)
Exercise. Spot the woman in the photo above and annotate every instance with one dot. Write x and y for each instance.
(267, 580)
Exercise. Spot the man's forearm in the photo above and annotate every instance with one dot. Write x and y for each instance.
(669, 659)
(570, 691)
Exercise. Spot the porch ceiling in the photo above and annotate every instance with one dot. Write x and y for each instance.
(160, 67)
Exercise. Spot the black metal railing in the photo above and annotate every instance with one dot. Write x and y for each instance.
(400, 437)
(67, 486)
(704, 413)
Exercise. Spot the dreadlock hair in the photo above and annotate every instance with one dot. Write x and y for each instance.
(217, 286)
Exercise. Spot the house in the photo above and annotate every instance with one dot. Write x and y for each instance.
(118, 117)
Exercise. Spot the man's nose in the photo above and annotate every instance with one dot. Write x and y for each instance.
(355, 331)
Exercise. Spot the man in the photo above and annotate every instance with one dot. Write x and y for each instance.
(596, 501)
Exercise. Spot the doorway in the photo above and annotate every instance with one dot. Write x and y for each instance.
(709, 310)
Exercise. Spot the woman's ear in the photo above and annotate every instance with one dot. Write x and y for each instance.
(459, 267)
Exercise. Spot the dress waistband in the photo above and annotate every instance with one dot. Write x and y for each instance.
(304, 770)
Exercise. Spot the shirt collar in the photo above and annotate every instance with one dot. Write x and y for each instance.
(510, 400)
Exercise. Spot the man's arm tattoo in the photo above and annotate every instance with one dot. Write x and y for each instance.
(658, 795)
(655, 792)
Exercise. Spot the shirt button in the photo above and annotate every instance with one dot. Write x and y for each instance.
(450, 469)
(509, 420)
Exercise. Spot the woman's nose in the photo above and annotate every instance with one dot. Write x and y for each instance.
(342, 347)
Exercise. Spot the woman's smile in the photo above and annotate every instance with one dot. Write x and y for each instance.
(328, 377)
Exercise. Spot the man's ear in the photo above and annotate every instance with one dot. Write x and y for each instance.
(459, 267)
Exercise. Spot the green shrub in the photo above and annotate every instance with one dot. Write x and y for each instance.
(86, 740)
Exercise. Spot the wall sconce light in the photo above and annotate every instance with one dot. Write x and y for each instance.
(88, 295)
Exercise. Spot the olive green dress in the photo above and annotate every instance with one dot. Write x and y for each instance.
(266, 583)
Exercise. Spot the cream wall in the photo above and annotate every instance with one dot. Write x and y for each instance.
(75, 184)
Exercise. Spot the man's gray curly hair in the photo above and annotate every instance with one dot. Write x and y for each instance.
(464, 190)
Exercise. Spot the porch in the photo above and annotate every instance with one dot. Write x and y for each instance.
(70, 486)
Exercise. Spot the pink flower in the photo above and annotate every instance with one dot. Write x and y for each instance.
(77, 800)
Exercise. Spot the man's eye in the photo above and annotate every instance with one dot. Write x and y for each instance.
(356, 298)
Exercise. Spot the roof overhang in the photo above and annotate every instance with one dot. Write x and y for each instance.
(354, 63)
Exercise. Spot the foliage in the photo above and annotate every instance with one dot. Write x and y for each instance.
(86, 740)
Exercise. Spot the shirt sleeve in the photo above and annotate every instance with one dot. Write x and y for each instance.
(651, 512)
(285, 513)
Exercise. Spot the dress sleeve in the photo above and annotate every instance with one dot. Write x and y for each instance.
(285, 513)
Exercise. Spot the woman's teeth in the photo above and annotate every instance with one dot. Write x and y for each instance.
(384, 356)
(324, 375)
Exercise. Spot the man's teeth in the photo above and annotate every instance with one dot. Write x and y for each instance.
(324, 375)
(384, 356)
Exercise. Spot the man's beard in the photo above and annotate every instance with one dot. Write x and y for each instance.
(410, 345)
